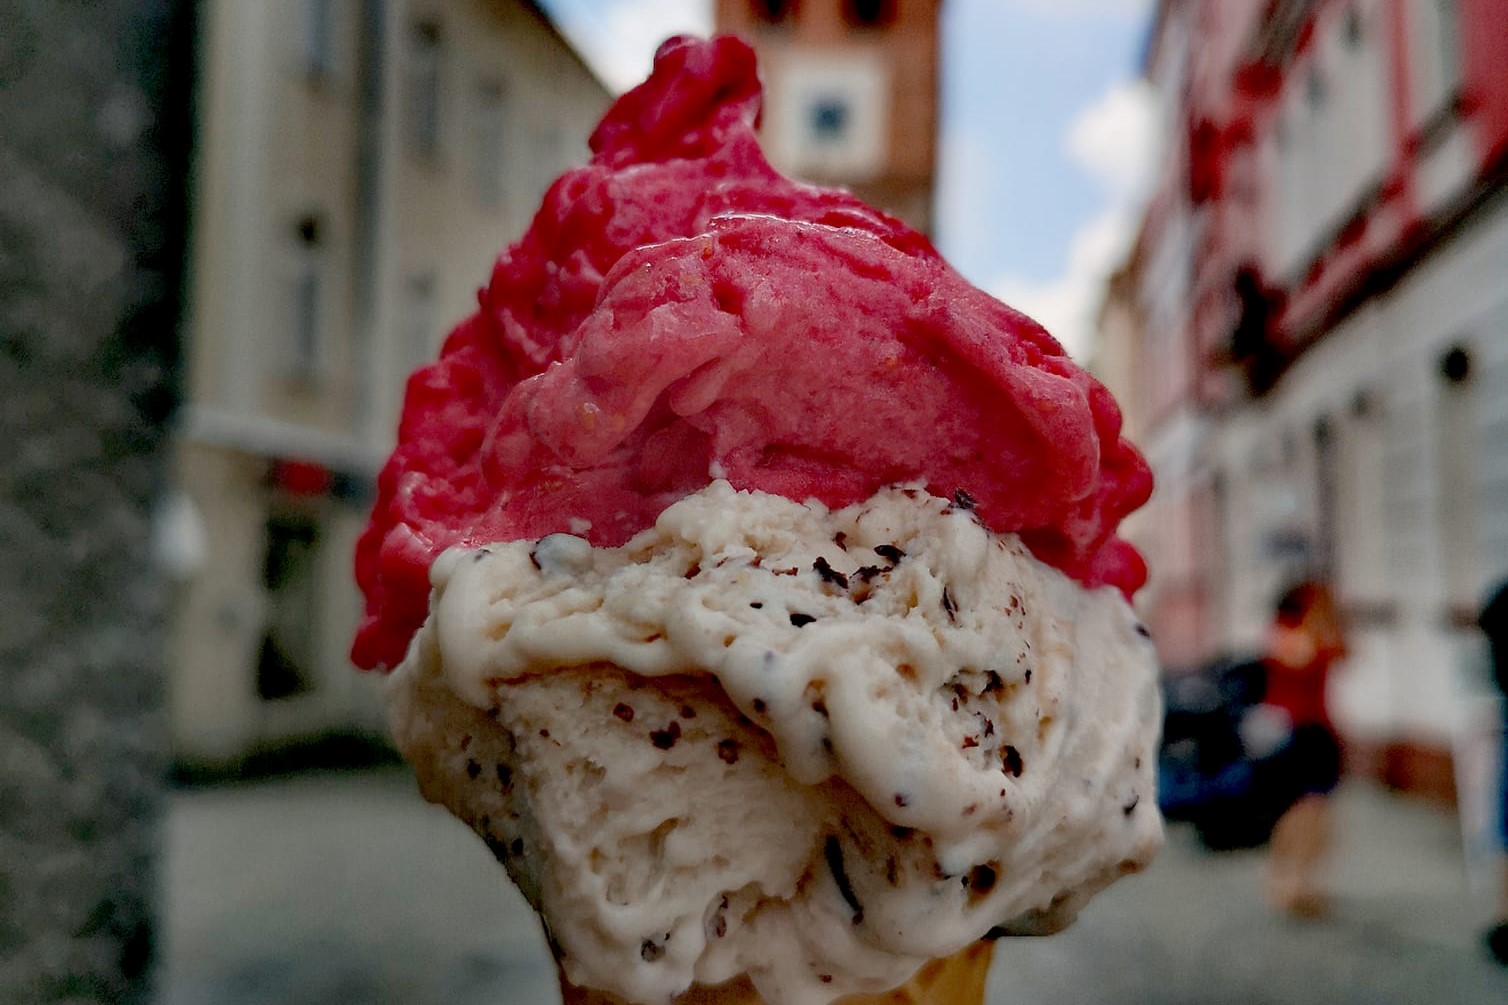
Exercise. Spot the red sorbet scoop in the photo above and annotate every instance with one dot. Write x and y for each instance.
(679, 311)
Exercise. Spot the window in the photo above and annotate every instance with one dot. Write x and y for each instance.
(1434, 55)
(1458, 483)
(774, 11)
(829, 119)
(869, 13)
(1353, 30)
(419, 324)
(491, 124)
(1315, 93)
(307, 315)
(318, 38)
(1448, 41)
(290, 575)
(425, 54)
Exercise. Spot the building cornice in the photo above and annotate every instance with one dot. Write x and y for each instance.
(276, 439)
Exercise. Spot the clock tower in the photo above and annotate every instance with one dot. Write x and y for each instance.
(850, 93)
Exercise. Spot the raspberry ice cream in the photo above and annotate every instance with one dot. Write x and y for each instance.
(773, 621)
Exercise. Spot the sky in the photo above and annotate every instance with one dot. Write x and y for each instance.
(1047, 145)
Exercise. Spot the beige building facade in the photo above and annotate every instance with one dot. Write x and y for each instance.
(359, 165)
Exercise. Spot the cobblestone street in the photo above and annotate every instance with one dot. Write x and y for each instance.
(347, 888)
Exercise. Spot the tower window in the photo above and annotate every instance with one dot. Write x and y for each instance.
(869, 13)
(774, 11)
(829, 120)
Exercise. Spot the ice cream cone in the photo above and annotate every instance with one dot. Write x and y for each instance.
(953, 980)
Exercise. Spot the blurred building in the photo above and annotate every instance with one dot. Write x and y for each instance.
(1311, 337)
(360, 164)
(851, 93)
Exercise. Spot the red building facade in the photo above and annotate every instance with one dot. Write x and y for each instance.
(1319, 359)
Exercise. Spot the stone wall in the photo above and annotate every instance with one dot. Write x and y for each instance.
(94, 113)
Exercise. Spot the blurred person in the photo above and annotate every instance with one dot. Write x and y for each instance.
(1494, 624)
(1304, 642)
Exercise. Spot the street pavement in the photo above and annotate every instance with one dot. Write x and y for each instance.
(347, 889)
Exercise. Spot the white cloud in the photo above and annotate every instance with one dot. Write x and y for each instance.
(619, 37)
(1115, 142)
(1140, 9)
(1114, 139)
(1066, 305)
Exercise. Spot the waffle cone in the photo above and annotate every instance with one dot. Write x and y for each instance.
(953, 980)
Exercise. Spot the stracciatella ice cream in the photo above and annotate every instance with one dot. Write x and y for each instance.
(814, 747)
(753, 584)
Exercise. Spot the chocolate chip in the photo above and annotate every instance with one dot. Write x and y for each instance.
(666, 738)
(687, 712)
(505, 777)
(1028, 675)
(833, 852)
(1011, 758)
(867, 572)
(841, 540)
(963, 500)
(969, 741)
(820, 707)
(759, 705)
(497, 847)
(890, 553)
(756, 604)
(901, 799)
(545, 733)
(900, 833)
(473, 769)
(1143, 631)
(994, 683)
(650, 950)
(517, 847)
(981, 879)
(802, 620)
(694, 571)
(727, 750)
(624, 711)
(829, 574)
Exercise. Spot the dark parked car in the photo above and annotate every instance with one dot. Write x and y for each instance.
(1210, 773)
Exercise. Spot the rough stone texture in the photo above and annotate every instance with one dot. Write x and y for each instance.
(92, 134)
